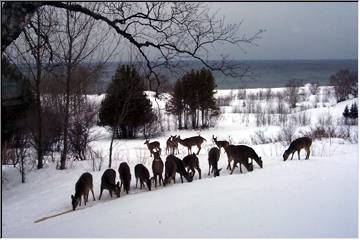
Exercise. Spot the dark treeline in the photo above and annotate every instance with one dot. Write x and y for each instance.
(193, 99)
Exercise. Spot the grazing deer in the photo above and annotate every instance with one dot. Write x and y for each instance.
(108, 182)
(170, 169)
(239, 155)
(191, 162)
(245, 152)
(174, 165)
(157, 168)
(142, 173)
(214, 155)
(82, 188)
(297, 145)
(125, 176)
(221, 144)
(191, 141)
(153, 145)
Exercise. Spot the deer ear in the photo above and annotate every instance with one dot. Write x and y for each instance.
(219, 169)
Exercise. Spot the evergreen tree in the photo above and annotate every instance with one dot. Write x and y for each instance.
(353, 111)
(125, 107)
(193, 97)
(346, 112)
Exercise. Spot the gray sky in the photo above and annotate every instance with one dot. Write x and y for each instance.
(295, 30)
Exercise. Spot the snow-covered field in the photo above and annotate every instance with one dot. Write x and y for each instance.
(312, 198)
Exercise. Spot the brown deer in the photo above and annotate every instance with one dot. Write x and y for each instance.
(214, 155)
(168, 145)
(170, 169)
(297, 145)
(142, 173)
(191, 141)
(157, 168)
(153, 145)
(245, 152)
(238, 155)
(174, 165)
(82, 188)
(125, 176)
(221, 144)
(175, 145)
(108, 182)
(191, 162)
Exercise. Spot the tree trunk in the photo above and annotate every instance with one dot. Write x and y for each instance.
(40, 150)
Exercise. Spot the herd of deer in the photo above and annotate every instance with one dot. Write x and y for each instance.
(238, 154)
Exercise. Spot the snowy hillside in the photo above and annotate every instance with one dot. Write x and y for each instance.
(312, 198)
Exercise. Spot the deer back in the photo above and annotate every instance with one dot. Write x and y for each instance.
(297, 144)
(214, 156)
(170, 167)
(157, 166)
(141, 172)
(125, 175)
(191, 141)
(83, 185)
(190, 160)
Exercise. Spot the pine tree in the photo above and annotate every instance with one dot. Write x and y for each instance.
(346, 112)
(125, 94)
(353, 111)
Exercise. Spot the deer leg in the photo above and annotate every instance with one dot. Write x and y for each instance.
(161, 178)
(182, 181)
(209, 170)
(298, 154)
(141, 184)
(199, 147)
(155, 180)
(110, 191)
(199, 171)
(240, 168)
(292, 156)
(92, 191)
(307, 153)
(101, 190)
(80, 201)
(232, 170)
(121, 185)
(136, 182)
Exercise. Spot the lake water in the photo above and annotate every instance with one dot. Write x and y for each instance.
(267, 73)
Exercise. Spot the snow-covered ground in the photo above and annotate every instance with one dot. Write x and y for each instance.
(312, 198)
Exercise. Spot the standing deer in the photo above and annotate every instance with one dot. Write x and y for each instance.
(297, 145)
(191, 162)
(221, 144)
(240, 155)
(157, 168)
(153, 145)
(168, 145)
(108, 182)
(214, 155)
(125, 176)
(191, 141)
(142, 173)
(82, 188)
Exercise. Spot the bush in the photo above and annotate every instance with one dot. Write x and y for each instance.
(345, 83)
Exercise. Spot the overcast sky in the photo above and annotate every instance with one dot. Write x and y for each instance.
(295, 30)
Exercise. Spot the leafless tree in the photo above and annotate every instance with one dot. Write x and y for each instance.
(33, 50)
(292, 92)
(171, 31)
